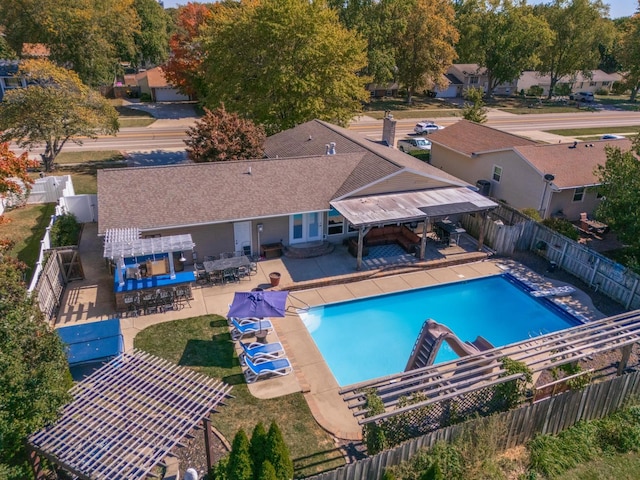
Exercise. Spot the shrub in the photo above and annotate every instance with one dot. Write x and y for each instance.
(145, 97)
(561, 226)
(239, 466)
(65, 231)
(277, 453)
(374, 435)
(535, 91)
(602, 91)
(258, 448)
(532, 213)
(513, 391)
(219, 470)
(267, 472)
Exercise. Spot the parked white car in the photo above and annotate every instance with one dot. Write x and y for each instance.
(611, 136)
(411, 144)
(582, 97)
(427, 127)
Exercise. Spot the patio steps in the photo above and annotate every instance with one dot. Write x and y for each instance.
(309, 250)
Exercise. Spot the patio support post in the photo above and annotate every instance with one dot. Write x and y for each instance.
(483, 225)
(36, 467)
(626, 353)
(423, 241)
(121, 268)
(208, 442)
(360, 244)
(172, 268)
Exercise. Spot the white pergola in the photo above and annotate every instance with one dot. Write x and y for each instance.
(121, 243)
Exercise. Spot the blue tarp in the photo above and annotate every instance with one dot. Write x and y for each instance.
(92, 342)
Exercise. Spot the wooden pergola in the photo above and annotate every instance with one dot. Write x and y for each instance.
(449, 380)
(126, 417)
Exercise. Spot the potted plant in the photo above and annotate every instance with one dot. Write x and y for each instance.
(274, 277)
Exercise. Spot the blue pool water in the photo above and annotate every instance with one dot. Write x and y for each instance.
(373, 337)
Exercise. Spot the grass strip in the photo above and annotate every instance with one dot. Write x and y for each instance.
(204, 344)
(575, 132)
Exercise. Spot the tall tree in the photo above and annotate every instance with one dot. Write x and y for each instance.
(474, 109)
(54, 108)
(426, 45)
(152, 41)
(239, 466)
(628, 53)
(6, 52)
(183, 69)
(14, 177)
(578, 28)
(501, 36)
(298, 63)
(34, 375)
(278, 453)
(620, 207)
(223, 136)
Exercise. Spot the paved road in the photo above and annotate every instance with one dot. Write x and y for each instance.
(168, 132)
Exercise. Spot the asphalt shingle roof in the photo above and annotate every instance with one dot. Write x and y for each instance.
(571, 167)
(470, 137)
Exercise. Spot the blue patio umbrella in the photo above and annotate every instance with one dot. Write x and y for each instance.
(258, 304)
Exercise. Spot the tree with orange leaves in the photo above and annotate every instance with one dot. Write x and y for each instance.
(183, 68)
(14, 178)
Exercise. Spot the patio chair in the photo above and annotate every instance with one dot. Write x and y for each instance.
(241, 330)
(278, 367)
(181, 296)
(253, 268)
(260, 352)
(200, 273)
(216, 277)
(132, 304)
(165, 300)
(242, 272)
(149, 303)
(243, 320)
(230, 275)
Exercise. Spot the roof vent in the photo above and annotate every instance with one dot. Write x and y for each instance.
(310, 138)
(249, 172)
(331, 148)
(575, 144)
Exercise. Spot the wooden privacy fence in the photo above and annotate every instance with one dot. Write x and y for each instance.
(509, 230)
(549, 416)
(62, 265)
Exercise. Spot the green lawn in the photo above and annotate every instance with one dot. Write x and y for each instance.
(204, 344)
(26, 226)
(621, 467)
(83, 167)
(577, 132)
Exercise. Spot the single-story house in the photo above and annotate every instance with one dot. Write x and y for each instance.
(555, 179)
(9, 78)
(318, 182)
(378, 90)
(461, 76)
(598, 80)
(154, 83)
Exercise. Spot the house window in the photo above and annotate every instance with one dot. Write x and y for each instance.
(474, 80)
(497, 173)
(606, 83)
(578, 194)
(335, 222)
(12, 82)
(593, 84)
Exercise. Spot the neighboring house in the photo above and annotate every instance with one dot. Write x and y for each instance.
(599, 80)
(453, 87)
(468, 75)
(383, 90)
(154, 83)
(9, 78)
(552, 178)
(298, 195)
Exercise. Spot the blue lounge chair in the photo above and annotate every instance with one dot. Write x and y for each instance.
(260, 352)
(244, 320)
(242, 329)
(279, 367)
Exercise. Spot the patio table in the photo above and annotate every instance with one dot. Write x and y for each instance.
(451, 229)
(226, 263)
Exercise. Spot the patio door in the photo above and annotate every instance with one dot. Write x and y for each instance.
(305, 227)
(242, 237)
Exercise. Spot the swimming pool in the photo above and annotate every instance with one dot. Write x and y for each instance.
(373, 337)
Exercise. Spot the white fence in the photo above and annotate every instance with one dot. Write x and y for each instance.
(84, 207)
(45, 244)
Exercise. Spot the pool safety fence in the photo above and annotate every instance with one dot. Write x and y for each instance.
(511, 230)
(550, 416)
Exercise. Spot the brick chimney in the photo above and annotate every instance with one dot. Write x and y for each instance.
(389, 129)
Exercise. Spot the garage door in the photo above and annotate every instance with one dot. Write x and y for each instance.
(169, 95)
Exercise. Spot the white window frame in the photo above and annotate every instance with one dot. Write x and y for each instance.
(330, 226)
(496, 174)
(579, 192)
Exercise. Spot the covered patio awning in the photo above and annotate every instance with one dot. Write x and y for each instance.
(411, 206)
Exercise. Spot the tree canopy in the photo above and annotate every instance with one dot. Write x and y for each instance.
(426, 45)
(221, 136)
(628, 53)
(620, 207)
(14, 177)
(152, 40)
(578, 29)
(34, 376)
(474, 109)
(54, 108)
(282, 63)
(501, 36)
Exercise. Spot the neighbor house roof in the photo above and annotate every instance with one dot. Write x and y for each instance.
(473, 138)
(8, 68)
(571, 166)
(155, 78)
